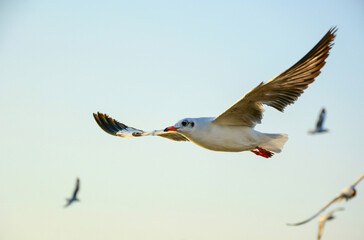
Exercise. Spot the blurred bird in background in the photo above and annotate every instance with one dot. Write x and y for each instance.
(320, 123)
(347, 193)
(74, 196)
(329, 216)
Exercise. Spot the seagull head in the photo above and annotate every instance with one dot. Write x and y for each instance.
(352, 192)
(184, 125)
(349, 193)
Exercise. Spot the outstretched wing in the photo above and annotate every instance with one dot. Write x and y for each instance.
(338, 198)
(320, 229)
(77, 187)
(334, 210)
(116, 128)
(323, 219)
(68, 203)
(280, 91)
(357, 180)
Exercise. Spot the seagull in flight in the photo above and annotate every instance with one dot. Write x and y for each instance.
(322, 220)
(347, 193)
(74, 196)
(320, 123)
(233, 130)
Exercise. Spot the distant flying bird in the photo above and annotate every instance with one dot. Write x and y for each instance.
(347, 193)
(233, 130)
(320, 123)
(74, 197)
(322, 220)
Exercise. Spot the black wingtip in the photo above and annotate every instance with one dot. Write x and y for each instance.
(294, 224)
(333, 30)
(109, 125)
(331, 35)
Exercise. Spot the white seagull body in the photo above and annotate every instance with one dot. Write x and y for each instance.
(347, 193)
(322, 220)
(233, 130)
(229, 138)
(74, 196)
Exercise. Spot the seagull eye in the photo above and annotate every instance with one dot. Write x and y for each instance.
(184, 123)
(192, 124)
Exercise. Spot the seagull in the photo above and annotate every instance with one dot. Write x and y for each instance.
(233, 130)
(320, 122)
(347, 193)
(325, 218)
(74, 197)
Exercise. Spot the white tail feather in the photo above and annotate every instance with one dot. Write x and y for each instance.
(275, 142)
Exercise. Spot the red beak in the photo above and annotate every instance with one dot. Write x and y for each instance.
(171, 128)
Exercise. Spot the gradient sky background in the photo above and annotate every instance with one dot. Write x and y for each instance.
(149, 64)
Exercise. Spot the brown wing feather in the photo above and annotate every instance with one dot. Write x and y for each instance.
(281, 90)
(113, 127)
(174, 136)
(110, 125)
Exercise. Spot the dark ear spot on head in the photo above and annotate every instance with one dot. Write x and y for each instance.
(192, 124)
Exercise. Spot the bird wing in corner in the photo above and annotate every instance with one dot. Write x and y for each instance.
(281, 90)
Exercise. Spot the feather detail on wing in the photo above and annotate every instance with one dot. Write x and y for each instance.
(336, 199)
(113, 127)
(280, 91)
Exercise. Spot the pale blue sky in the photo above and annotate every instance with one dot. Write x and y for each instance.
(149, 64)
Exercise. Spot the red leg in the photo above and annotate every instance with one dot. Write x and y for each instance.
(262, 152)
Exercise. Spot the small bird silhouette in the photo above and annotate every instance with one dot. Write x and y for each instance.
(320, 123)
(74, 197)
(329, 216)
(347, 193)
